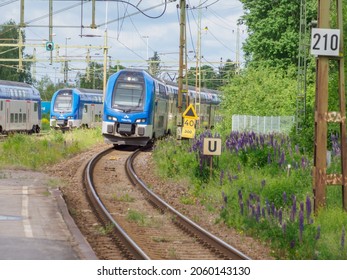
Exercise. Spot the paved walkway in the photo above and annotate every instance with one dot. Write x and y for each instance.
(34, 221)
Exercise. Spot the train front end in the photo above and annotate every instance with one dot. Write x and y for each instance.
(128, 106)
(64, 112)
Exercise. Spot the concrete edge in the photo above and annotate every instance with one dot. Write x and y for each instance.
(85, 251)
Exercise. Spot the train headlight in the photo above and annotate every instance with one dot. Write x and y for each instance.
(110, 118)
(140, 120)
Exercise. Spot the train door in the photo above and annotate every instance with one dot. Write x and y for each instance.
(92, 115)
(7, 115)
(27, 116)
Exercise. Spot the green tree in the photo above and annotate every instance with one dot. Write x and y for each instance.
(9, 33)
(154, 67)
(273, 31)
(93, 79)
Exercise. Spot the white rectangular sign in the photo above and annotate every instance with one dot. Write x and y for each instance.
(325, 42)
(212, 146)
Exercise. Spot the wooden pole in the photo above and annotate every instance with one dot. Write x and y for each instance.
(320, 114)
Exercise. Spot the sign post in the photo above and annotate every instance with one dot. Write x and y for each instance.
(212, 147)
(327, 44)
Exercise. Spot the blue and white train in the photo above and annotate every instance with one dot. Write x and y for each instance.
(20, 108)
(76, 108)
(139, 108)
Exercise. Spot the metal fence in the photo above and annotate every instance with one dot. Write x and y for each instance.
(280, 124)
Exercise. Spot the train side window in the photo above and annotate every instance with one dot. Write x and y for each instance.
(24, 118)
(1, 105)
(85, 109)
(35, 107)
(16, 117)
(20, 118)
(12, 118)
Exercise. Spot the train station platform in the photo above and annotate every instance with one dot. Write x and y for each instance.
(34, 220)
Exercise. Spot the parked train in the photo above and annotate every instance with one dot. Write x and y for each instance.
(139, 108)
(76, 108)
(20, 108)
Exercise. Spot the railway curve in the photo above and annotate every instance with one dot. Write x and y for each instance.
(199, 237)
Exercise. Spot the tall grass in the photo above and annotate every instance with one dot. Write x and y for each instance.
(261, 185)
(20, 150)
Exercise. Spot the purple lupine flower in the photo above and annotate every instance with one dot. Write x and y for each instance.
(269, 161)
(225, 198)
(292, 244)
(284, 197)
(302, 206)
(258, 212)
(280, 216)
(241, 207)
(308, 208)
(318, 233)
(343, 238)
(263, 212)
(240, 195)
(301, 224)
(273, 208)
(268, 208)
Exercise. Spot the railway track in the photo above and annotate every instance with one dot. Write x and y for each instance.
(141, 224)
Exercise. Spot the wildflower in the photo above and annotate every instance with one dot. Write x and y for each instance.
(258, 212)
(292, 244)
(240, 195)
(225, 198)
(241, 207)
(280, 216)
(263, 212)
(284, 197)
(301, 224)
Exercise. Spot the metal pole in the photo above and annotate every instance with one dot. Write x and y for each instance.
(105, 65)
(182, 66)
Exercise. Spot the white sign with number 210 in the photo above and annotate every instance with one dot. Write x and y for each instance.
(325, 42)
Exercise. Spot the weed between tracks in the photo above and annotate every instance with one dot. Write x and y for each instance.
(262, 186)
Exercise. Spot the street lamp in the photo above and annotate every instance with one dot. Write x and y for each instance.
(66, 66)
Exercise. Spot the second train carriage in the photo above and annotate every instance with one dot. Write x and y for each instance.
(75, 108)
(139, 108)
(20, 107)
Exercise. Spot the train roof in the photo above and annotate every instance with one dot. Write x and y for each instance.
(14, 84)
(18, 91)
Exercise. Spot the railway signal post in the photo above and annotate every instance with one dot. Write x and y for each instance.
(327, 44)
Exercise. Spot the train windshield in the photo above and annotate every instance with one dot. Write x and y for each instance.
(63, 102)
(128, 96)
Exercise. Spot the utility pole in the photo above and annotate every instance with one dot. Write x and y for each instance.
(182, 66)
(322, 117)
(51, 28)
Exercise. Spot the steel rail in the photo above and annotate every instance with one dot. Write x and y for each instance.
(223, 247)
(104, 214)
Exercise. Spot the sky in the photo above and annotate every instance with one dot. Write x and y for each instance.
(134, 32)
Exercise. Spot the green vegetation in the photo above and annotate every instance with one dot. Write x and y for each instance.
(20, 150)
(261, 185)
